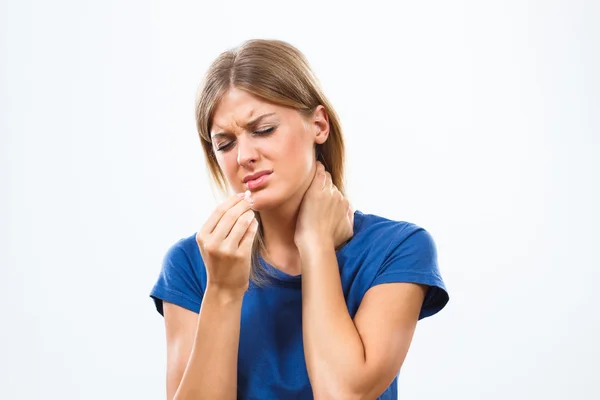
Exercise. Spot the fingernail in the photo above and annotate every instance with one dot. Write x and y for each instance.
(247, 197)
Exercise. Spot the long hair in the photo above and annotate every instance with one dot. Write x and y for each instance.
(277, 72)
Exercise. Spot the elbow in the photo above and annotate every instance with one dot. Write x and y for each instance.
(340, 394)
(364, 384)
(357, 390)
(324, 391)
(335, 395)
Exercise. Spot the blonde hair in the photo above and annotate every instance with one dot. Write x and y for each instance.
(277, 72)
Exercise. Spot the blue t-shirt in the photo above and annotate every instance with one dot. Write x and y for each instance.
(271, 362)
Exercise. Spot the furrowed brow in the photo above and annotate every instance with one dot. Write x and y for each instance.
(250, 125)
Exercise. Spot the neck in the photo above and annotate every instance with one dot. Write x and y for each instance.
(279, 227)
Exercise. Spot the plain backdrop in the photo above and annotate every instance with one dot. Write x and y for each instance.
(476, 120)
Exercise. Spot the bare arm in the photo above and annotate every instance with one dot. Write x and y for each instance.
(353, 359)
(347, 358)
(202, 349)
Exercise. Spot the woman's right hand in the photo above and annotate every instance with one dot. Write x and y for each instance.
(225, 243)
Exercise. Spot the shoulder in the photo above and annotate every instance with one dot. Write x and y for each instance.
(375, 231)
(184, 249)
(400, 251)
(183, 258)
(182, 278)
(380, 242)
(393, 239)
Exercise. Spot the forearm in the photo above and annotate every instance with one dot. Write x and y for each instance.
(211, 372)
(334, 352)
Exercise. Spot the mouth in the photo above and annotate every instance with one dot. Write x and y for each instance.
(256, 180)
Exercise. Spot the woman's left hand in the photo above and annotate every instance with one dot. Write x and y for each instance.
(325, 215)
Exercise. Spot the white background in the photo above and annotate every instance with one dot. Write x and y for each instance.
(476, 120)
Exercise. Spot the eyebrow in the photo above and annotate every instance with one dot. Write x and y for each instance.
(250, 125)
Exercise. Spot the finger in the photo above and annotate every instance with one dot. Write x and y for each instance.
(329, 182)
(339, 193)
(229, 219)
(218, 213)
(248, 238)
(239, 229)
(322, 175)
(319, 168)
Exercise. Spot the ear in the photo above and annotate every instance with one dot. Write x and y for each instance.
(320, 124)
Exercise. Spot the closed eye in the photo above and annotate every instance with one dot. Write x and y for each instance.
(261, 132)
(225, 146)
(264, 131)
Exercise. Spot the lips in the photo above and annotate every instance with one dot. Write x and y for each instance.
(257, 180)
(255, 176)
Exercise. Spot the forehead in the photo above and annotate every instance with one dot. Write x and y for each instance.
(237, 107)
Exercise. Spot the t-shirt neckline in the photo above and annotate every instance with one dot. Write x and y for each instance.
(285, 277)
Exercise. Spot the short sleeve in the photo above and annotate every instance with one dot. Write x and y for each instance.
(178, 281)
(412, 257)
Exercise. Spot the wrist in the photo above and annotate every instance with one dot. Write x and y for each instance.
(223, 295)
(313, 245)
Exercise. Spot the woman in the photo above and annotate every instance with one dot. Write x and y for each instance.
(286, 292)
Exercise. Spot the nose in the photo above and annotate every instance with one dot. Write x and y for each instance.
(247, 153)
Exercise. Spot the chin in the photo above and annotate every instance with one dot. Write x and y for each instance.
(264, 204)
(265, 200)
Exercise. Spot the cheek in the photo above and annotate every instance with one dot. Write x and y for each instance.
(228, 164)
(297, 154)
(296, 146)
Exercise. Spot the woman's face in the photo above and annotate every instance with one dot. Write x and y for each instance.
(266, 148)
